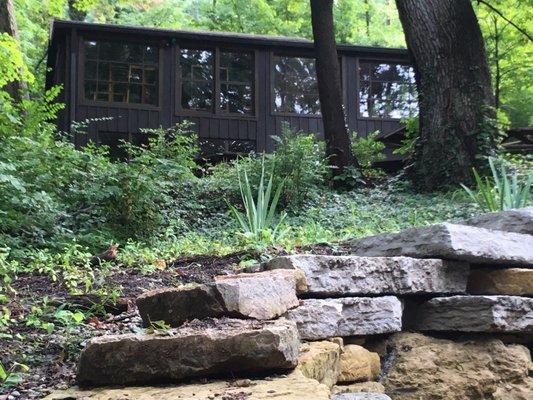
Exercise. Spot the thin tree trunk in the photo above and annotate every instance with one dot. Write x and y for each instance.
(457, 118)
(18, 90)
(498, 77)
(338, 149)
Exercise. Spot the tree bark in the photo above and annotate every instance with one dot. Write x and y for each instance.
(18, 90)
(338, 149)
(457, 118)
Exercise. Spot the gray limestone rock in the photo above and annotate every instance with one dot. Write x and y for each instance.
(199, 349)
(518, 220)
(512, 314)
(349, 316)
(352, 276)
(450, 241)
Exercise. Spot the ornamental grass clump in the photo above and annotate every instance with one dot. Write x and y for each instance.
(503, 191)
(260, 221)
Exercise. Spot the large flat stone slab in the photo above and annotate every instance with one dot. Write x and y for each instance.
(198, 349)
(360, 396)
(262, 295)
(450, 241)
(352, 275)
(508, 281)
(350, 316)
(519, 220)
(291, 387)
(476, 314)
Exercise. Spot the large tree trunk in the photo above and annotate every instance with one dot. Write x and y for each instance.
(8, 24)
(338, 147)
(457, 119)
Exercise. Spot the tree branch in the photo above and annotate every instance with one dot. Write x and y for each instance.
(491, 7)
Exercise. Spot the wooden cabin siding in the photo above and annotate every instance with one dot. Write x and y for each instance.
(66, 55)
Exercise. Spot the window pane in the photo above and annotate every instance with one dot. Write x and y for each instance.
(117, 72)
(90, 90)
(197, 73)
(387, 90)
(236, 82)
(295, 85)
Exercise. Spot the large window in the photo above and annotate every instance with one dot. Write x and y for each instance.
(234, 88)
(295, 85)
(387, 91)
(121, 72)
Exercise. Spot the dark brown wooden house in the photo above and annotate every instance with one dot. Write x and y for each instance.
(236, 89)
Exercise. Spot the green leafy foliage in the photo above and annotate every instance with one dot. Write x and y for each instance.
(368, 150)
(260, 219)
(11, 376)
(502, 191)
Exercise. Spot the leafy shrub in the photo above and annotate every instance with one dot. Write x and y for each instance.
(298, 160)
(368, 150)
(260, 220)
(412, 130)
(502, 191)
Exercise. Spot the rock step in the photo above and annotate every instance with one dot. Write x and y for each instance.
(518, 220)
(450, 241)
(199, 349)
(263, 296)
(511, 314)
(349, 316)
(352, 276)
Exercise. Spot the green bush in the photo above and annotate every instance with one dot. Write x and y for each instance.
(52, 194)
(298, 160)
(368, 150)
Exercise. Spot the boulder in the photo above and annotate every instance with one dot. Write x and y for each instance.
(518, 220)
(351, 276)
(262, 295)
(476, 314)
(509, 281)
(201, 348)
(350, 316)
(425, 368)
(180, 304)
(320, 361)
(358, 364)
(360, 396)
(450, 241)
(292, 387)
(372, 387)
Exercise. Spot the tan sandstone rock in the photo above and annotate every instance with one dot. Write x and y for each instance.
(509, 281)
(292, 387)
(358, 364)
(320, 361)
(425, 368)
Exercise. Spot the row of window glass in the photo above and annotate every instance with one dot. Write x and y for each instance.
(128, 73)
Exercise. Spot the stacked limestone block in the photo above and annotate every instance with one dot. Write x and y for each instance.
(499, 249)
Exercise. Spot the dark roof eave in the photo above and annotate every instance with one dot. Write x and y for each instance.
(262, 40)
